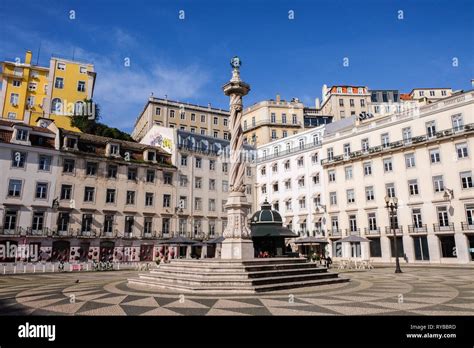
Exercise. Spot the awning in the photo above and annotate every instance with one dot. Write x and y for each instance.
(316, 194)
(178, 241)
(271, 231)
(217, 240)
(301, 196)
(354, 239)
(287, 199)
(311, 240)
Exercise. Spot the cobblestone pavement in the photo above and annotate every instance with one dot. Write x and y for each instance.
(417, 291)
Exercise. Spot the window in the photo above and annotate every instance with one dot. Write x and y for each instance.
(212, 205)
(225, 186)
(89, 194)
(81, 86)
(372, 221)
(314, 158)
(406, 135)
(466, 179)
(369, 193)
(461, 150)
(183, 180)
(275, 187)
(132, 174)
(18, 159)
(184, 160)
(12, 115)
(457, 122)
(350, 196)
(226, 122)
(301, 144)
(264, 188)
(172, 113)
(274, 134)
(197, 203)
(288, 184)
(41, 190)
(443, 218)
(276, 206)
(91, 168)
(61, 66)
(198, 162)
(367, 168)
(301, 182)
(130, 197)
(365, 145)
(390, 188)
(86, 223)
(21, 135)
(300, 162)
(387, 165)
(430, 128)
(198, 183)
(342, 114)
(203, 131)
(32, 86)
(151, 156)
(10, 219)
(110, 196)
(438, 183)
(435, 156)
(302, 202)
(416, 218)
(166, 201)
(347, 149)
(333, 198)
(422, 93)
(14, 97)
(413, 187)
(362, 103)
(330, 153)
(272, 117)
(351, 103)
(410, 160)
(182, 115)
(14, 188)
(167, 177)
(275, 168)
(432, 93)
(66, 192)
(348, 172)
(68, 165)
(129, 222)
(16, 83)
(215, 121)
(63, 221)
(149, 199)
(294, 119)
(288, 205)
(212, 184)
(443, 93)
(112, 171)
(341, 102)
(332, 176)
(352, 223)
(108, 223)
(316, 178)
(385, 140)
(59, 83)
(114, 150)
(283, 118)
(44, 163)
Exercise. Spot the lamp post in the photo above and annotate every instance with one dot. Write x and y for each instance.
(392, 206)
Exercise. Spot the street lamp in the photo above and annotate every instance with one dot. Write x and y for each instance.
(392, 205)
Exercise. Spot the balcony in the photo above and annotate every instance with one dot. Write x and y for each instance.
(293, 150)
(16, 231)
(352, 232)
(389, 230)
(86, 234)
(372, 231)
(335, 233)
(150, 234)
(423, 139)
(466, 226)
(443, 228)
(268, 122)
(417, 229)
(128, 235)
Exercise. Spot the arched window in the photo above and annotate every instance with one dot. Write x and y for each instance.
(56, 106)
(301, 143)
(276, 150)
(315, 139)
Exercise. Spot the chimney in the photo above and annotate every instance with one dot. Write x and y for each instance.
(278, 98)
(28, 57)
(316, 104)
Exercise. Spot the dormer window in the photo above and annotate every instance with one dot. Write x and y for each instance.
(339, 89)
(151, 156)
(114, 150)
(61, 66)
(361, 90)
(71, 143)
(22, 135)
(349, 89)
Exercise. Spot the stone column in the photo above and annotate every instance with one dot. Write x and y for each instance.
(237, 243)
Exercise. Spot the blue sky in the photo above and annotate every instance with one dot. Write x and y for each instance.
(189, 59)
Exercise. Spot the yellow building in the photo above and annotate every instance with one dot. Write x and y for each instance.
(57, 92)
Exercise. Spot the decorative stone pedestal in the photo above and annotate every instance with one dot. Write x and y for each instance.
(237, 248)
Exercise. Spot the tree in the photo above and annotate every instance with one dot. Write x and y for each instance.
(91, 125)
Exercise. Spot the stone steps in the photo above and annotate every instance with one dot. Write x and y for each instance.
(235, 276)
